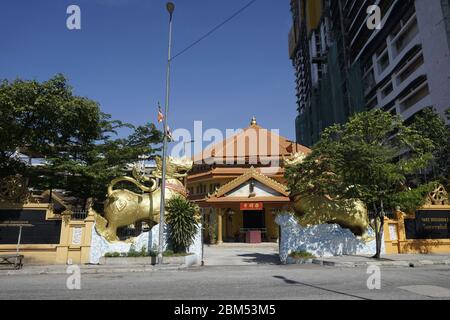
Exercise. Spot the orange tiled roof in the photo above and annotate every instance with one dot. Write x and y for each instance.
(268, 145)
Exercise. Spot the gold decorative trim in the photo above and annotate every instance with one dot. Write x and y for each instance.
(66, 216)
(26, 206)
(438, 196)
(57, 198)
(175, 167)
(252, 173)
(13, 189)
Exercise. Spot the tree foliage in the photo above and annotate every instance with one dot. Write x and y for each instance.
(89, 173)
(369, 158)
(78, 143)
(44, 119)
(433, 127)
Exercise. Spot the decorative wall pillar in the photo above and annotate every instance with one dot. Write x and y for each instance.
(75, 240)
(87, 237)
(62, 250)
(400, 216)
(219, 226)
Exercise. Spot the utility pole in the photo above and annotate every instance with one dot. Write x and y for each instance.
(170, 8)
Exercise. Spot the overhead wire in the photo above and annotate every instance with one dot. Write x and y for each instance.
(209, 33)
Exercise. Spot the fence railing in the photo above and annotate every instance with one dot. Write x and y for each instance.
(387, 214)
(79, 214)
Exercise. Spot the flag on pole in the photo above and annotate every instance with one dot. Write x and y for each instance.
(160, 114)
(169, 134)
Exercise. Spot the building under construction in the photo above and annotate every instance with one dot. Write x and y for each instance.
(342, 66)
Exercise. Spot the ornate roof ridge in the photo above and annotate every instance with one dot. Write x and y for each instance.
(251, 173)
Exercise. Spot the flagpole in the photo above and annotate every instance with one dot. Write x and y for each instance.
(170, 8)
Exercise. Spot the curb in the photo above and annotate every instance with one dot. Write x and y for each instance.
(98, 270)
(415, 263)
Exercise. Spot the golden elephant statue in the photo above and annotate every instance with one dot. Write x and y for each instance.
(124, 207)
(311, 209)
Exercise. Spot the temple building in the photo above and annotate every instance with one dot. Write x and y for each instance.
(239, 184)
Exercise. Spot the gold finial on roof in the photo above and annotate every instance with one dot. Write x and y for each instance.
(253, 122)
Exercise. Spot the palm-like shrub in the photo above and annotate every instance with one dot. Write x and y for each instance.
(182, 223)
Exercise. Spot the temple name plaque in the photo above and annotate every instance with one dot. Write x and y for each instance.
(251, 206)
(430, 224)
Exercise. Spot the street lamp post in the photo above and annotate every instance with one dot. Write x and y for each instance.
(170, 8)
(184, 146)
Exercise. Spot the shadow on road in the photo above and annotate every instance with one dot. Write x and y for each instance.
(260, 258)
(293, 282)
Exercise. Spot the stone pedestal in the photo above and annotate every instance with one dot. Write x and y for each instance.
(148, 240)
(325, 240)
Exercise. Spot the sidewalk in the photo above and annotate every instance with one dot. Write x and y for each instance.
(399, 260)
(88, 269)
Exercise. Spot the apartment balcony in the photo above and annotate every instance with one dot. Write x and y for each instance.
(395, 58)
(402, 79)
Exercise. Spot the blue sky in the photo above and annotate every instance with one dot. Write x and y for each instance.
(118, 58)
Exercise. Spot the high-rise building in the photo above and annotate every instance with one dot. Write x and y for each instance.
(343, 66)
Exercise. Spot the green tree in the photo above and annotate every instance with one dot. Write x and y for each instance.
(79, 144)
(182, 223)
(88, 173)
(433, 127)
(42, 119)
(369, 158)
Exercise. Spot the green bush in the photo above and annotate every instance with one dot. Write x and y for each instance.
(112, 254)
(132, 253)
(301, 255)
(167, 253)
(142, 253)
(170, 253)
(181, 222)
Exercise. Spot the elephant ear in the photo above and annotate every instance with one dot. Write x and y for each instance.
(121, 204)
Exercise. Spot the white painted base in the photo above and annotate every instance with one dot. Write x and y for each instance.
(325, 240)
(100, 246)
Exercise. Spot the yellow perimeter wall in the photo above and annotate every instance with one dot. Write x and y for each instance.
(74, 246)
(396, 242)
(75, 239)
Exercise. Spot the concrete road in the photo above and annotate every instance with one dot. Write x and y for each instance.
(241, 254)
(238, 282)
